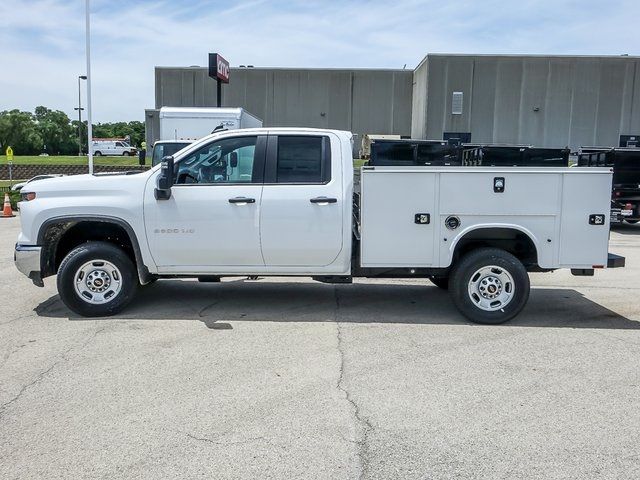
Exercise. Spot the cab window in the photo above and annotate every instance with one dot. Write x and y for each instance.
(299, 159)
(230, 160)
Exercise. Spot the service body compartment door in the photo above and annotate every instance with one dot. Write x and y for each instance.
(584, 230)
(398, 218)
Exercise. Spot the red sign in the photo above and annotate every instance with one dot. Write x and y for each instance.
(218, 67)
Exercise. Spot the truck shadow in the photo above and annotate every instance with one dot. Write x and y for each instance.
(217, 304)
(626, 229)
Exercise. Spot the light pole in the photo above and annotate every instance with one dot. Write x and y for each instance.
(88, 52)
(79, 109)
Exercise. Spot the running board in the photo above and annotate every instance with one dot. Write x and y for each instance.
(333, 279)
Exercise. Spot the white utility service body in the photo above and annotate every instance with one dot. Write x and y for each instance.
(549, 205)
(281, 201)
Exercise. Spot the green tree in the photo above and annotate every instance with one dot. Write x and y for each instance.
(133, 129)
(137, 132)
(56, 131)
(28, 133)
(20, 131)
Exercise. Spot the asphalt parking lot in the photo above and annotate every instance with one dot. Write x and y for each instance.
(277, 378)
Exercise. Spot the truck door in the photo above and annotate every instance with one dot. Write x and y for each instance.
(211, 221)
(301, 212)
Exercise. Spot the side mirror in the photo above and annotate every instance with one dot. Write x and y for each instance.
(233, 159)
(165, 179)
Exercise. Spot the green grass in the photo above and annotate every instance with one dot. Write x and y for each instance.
(358, 162)
(68, 160)
(7, 183)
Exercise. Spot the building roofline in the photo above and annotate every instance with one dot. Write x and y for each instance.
(524, 55)
(165, 67)
(534, 55)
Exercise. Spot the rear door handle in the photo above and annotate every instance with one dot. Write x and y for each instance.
(242, 200)
(323, 200)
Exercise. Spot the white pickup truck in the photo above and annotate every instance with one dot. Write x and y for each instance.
(281, 202)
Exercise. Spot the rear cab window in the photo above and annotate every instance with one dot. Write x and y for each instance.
(298, 159)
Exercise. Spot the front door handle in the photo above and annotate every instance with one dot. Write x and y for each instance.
(323, 200)
(242, 200)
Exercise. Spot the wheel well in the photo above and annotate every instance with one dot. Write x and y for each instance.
(62, 237)
(518, 243)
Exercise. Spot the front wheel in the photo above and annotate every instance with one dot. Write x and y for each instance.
(125, 154)
(489, 286)
(632, 222)
(97, 279)
(97, 154)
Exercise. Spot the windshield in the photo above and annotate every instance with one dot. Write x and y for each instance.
(163, 149)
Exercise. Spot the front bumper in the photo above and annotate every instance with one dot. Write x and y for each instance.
(27, 260)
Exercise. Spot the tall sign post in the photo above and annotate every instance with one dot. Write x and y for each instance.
(218, 69)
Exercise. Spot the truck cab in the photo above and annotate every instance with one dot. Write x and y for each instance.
(282, 202)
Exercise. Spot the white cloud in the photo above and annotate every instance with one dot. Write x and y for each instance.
(42, 41)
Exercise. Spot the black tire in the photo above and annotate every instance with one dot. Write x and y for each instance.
(461, 277)
(632, 222)
(440, 282)
(125, 154)
(97, 154)
(80, 256)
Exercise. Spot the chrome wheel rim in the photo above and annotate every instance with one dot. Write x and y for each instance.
(491, 288)
(98, 282)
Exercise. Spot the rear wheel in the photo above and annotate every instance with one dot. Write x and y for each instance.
(97, 279)
(489, 286)
(97, 154)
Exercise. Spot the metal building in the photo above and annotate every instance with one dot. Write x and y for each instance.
(359, 100)
(546, 101)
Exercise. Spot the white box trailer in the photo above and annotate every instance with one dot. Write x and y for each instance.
(194, 123)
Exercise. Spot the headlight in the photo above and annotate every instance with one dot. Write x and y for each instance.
(27, 196)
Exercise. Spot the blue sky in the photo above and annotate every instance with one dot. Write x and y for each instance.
(42, 41)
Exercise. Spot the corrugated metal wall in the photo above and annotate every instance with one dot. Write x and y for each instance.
(544, 101)
(362, 101)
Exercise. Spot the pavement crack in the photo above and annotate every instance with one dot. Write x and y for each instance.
(233, 442)
(364, 424)
(20, 317)
(41, 376)
(201, 312)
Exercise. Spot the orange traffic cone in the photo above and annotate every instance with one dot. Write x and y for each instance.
(7, 212)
